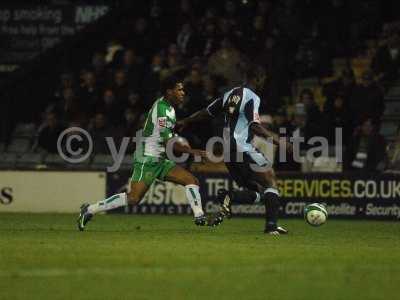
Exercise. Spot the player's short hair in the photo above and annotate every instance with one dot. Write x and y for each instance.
(169, 83)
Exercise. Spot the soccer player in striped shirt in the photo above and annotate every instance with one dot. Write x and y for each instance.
(246, 165)
(151, 161)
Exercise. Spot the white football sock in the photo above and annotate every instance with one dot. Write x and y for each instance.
(194, 199)
(258, 198)
(112, 202)
(272, 190)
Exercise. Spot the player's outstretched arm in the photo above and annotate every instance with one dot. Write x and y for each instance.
(259, 130)
(201, 115)
(213, 109)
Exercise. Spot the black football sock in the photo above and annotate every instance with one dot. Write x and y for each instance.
(271, 200)
(244, 196)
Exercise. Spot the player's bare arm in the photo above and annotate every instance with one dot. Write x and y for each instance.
(259, 130)
(199, 116)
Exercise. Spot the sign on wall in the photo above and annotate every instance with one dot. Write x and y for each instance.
(47, 191)
(345, 195)
(27, 30)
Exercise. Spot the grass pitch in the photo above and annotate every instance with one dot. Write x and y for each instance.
(163, 257)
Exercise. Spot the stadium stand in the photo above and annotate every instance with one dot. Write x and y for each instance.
(8, 160)
(101, 161)
(31, 160)
(54, 160)
(19, 145)
(114, 67)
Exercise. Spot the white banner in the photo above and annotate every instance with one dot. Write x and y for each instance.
(47, 191)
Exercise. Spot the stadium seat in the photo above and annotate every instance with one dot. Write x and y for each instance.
(326, 165)
(53, 160)
(102, 161)
(388, 129)
(2, 147)
(83, 165)
(24, 130)
(127, 162)
(19, 145)
(393, 92)
(8, 160)
(392, 109)
(29, 160)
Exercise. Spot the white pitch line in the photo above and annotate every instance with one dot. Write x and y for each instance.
(58, 272)
(100, 271)
(55, 272)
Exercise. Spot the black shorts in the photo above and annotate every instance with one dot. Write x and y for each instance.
(243, 166)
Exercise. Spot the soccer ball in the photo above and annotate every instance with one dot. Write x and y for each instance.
(315, 214)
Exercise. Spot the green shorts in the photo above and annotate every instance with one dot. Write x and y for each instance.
(147, 170)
